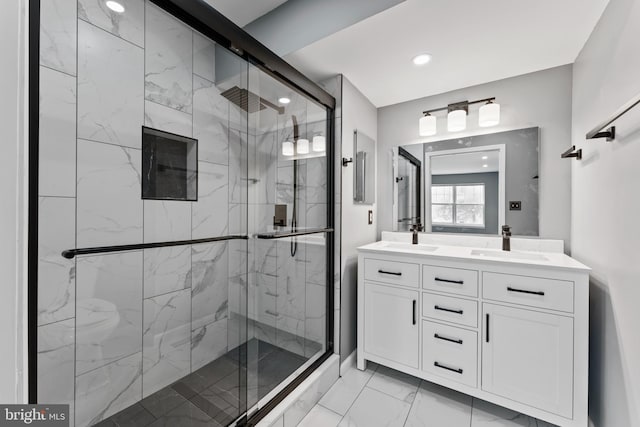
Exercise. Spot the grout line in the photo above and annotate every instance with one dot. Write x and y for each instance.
(62, 72)
(112, 34)
(56, 321)
(108, 143)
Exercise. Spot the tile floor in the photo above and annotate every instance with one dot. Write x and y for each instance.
(209, 397)
(382, 397)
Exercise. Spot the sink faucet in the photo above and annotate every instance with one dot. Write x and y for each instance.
(506, 238)
(415, 228)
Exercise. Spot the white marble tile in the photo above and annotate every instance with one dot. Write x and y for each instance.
(485, 414)
(374, 408)
(291, 280)
(290, 334)
(110, 88)
(320, 416)
(265, 168)
(204, 57)
(56, 362)
(279, 422)
(394, 383)
(56, 275)
(109, 209)
(108, 390)
(208, 342)
(57, 132)
(238, 167)
(109, 309)
(439, 406)
(238, 213)
(317, 180)
(345, 391)
(316, 215)
(58, 35)
(128, 25)
(210, 212)
(266, 261)
(166, 351)
(316, 262)
(315, 313)
(166, 220)
(166, 270)
(210, 286)
(158, 116)
(210, 122)
(168, 60)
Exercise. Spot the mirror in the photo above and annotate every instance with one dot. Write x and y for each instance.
(469, 185)
(364, 160)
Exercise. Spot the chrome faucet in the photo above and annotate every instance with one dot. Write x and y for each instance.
(415, 228)
(506, 238)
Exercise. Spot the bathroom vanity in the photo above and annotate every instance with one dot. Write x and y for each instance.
(510, 328)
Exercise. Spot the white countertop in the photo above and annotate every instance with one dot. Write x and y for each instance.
(526, 258)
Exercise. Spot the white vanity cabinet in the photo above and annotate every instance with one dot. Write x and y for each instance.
(514, 333)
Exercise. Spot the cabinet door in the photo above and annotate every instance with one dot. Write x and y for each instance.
(527, 356)
(391, 323)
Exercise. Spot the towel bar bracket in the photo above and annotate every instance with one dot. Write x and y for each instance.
(610, 134)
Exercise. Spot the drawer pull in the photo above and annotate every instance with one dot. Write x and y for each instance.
(524, 291)
(487, 327)
(440, 337)
(450, 310)
(456, 370)
(394, 273)
(457, 282)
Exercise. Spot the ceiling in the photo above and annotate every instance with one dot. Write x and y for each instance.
(241, 12)
(466, 163)
(472, 42)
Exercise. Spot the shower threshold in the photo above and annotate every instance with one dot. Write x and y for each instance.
(210, 396)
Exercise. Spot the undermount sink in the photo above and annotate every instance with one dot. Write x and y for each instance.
(410, 247)
(508, 255)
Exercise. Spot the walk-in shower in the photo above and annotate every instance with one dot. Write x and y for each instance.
(184, 251)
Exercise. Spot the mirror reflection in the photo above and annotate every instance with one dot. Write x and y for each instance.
(469, 185)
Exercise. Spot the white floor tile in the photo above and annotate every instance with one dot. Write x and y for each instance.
(376, 409)
(439, 406)
(345, 391)
(485, 414)
(319, 416)
(395, 384)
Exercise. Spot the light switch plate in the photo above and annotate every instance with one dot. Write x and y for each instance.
(515, 205)
(370, 217)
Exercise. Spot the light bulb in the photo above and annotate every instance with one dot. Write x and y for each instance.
(427, 125)
(284, 100)
(489, 115)
(457, 120)
(319, 143)
(287, 148)
(302, 146)
(422, 59)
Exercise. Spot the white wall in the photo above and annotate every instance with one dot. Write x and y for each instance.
(357, 113)
(540, 99)
(605, 211)
(12, 214)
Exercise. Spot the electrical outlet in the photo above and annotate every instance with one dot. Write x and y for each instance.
(515, 206)
(370, 217)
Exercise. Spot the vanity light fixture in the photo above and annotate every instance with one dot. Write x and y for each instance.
(428, 125)
(319, 143)
(488, 115)
(115, 6)
(284, 100)
(287, 148)
(302, 146)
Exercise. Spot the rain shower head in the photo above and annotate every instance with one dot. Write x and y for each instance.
(249, 101)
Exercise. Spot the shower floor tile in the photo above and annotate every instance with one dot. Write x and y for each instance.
(211, 396)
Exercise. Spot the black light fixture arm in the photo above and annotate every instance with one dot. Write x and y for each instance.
(462, 105)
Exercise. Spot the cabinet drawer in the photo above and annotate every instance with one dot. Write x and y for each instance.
(450, 352)
(399, 273)
(530, 291)
(450, 309)
(451, 280)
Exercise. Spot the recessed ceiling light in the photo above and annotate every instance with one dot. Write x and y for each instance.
(115, 6)
(485, 166)
(422, 59)
(284, 100)
(485, 157)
